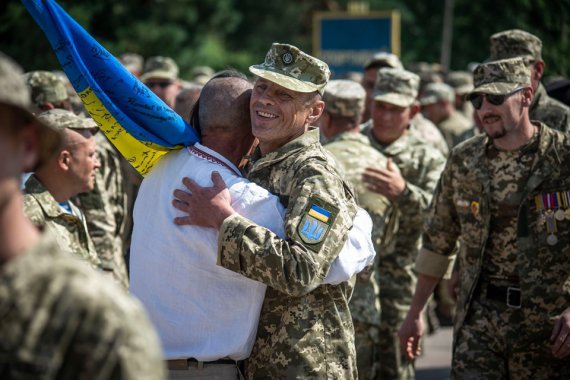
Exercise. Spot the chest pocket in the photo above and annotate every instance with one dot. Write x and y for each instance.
(469, 211)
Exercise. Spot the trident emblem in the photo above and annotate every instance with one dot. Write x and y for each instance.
(311, 230)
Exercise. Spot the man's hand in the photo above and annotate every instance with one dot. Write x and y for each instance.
(560, 338)
(410, 333)
(205, 206)
(388, 182)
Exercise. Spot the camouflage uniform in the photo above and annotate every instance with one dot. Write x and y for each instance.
(455, 125)
(60, 320)
(71, 229)
(45, 87)
(105, 210)
(421, 166)
(353, 152)
(427, 131)
(518, 43)
(492, 202)
(462, 83)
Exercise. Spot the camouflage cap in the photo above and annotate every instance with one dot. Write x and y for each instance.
(45, 87)
(500, 77)
(344, 98)
(61, 119)
(384, 59)
(396, 86)
(461, 81)
(160, 67)
(202, 74)
(515, 43)
(132, 61)
(14, 93)
(291, 68)
(435, 93)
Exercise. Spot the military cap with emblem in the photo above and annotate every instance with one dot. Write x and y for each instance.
(15, 94)
(344, 98)
(294, 69)
(62, 119)
(396, 86)
(461, 81)
(384, 59)
(515, 43)
(160, 68)
(45, 87)
(500, 77)
(435, 93)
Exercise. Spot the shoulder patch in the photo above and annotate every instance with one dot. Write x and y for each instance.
(316, 222)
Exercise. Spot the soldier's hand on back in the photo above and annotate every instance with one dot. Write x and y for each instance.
(560, 337)
(388, 182)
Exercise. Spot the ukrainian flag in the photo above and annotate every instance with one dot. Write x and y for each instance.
(319, 213)
(140, 125)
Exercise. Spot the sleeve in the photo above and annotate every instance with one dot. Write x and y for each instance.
(441, 230)
(319, 214)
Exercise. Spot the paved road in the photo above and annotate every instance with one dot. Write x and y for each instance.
(435, 364)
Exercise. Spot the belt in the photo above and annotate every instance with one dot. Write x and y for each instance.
(510, 295)
(183, 364)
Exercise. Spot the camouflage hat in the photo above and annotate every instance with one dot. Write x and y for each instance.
(291, 68)
(61, 119)
(132, 61)
(515, 43)
(500, 77)
(202, 74)
(384, 59)
(15, 93)
(160, 67)
(45, 87)
(461, 81)
(396, 86)
(435, 93)
(344, 98)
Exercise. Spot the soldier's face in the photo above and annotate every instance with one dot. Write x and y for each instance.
(500, 120)
(390, 121)
(165, 89)
(83, 163)
(368, 80)
(279, 115)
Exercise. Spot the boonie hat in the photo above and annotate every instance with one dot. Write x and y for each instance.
(396, 86)
(14, 93)
(344, 98)
(293, 69)
(500, 77)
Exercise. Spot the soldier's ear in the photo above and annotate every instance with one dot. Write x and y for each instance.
(316, 109)
(63, 159)
(414, 109)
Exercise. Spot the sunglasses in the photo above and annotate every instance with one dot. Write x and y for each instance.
(496, 100)
(162, 85)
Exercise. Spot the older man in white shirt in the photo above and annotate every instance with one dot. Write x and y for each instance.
(206, 315)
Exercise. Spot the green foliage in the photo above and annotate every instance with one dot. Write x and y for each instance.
(237, 33)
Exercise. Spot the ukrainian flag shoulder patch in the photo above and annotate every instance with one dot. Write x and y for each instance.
(316, 222)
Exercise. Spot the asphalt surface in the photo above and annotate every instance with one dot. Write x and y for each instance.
(436, 361)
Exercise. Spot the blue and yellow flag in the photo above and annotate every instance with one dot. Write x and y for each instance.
(140, 125)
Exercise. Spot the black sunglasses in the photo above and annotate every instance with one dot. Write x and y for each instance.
(159, 84)
(496, 100)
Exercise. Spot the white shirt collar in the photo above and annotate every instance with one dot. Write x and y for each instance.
(210, 155)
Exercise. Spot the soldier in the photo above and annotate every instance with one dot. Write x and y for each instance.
(421, 127)
(410, 189)
(518, 43)
(504, 196)
(462, 83)
(161, 77)
(69, 172)
(305, 329)
(60, 319)
(47, 91)
(133, 62)
(340, 125)
(437, 104)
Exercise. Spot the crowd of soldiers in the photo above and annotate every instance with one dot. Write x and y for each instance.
(463, 174)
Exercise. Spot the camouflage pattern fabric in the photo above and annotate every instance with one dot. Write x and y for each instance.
(354, 154)
(61, 320)
(43, 210)
(550, 111)
(105, 210)
(396, 86)
(461, 211)
(294, 69)
(305, 329)
(454, 128)
(515, 43)
(421, 166)
(344, 98)
(45, 87)
(423, 129)
(500, 77)
(160, 67)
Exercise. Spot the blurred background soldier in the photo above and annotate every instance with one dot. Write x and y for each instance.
(340, 125)
(47, 91)
(462, 83)
(133, 63)
(161, 77)
(518, 43)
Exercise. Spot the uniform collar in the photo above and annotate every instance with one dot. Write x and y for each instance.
(47, 202)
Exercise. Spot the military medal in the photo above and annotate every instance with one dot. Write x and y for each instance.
(475, 208)
(559, 214)
(551, 229)
(551, 240)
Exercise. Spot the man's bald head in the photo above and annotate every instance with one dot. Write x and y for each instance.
(224, 105)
